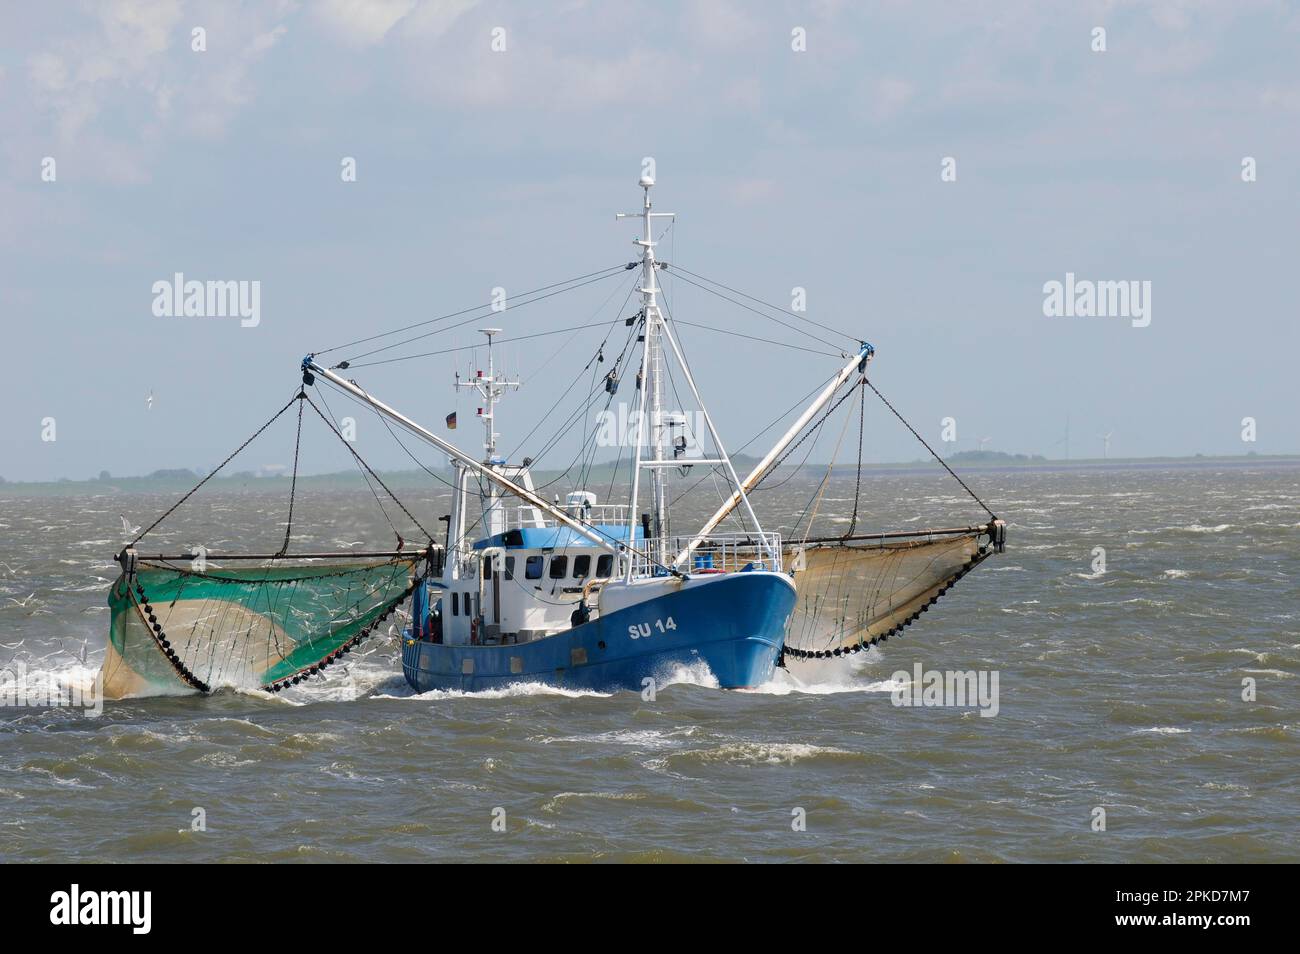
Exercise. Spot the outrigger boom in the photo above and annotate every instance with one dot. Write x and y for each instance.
(310, 367)
(858, 364)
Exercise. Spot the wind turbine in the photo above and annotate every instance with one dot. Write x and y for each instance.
(983, 441)
(1105, 443)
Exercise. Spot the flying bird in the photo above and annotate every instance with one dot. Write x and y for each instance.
(126, 526)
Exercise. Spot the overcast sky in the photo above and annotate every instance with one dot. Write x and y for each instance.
(817, 168)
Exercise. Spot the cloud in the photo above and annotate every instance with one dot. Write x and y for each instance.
(77, 75)
(750, 191)
(887, 97)
(433, 18)
(106, 90)
(215, 100)
(362, 22)
(531, 78)
(720, 23)
(368, 22)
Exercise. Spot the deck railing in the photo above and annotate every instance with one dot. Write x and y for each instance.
(714, 553)
(526, 516)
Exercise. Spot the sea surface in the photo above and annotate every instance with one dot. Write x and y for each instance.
(1119, 689)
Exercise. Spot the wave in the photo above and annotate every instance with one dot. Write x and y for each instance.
(823, 677)
(755, 753)
(517, 690)
(636, 738)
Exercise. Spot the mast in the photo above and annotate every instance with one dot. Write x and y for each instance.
(652, 384)
(490, 389)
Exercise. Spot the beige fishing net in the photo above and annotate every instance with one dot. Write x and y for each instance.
(853, 592)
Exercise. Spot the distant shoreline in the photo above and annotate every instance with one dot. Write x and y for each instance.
(182, 480)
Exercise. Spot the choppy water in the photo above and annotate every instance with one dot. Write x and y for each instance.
(1119, 689)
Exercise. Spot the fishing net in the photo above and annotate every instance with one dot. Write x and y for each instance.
(853, 593)
(177, 628)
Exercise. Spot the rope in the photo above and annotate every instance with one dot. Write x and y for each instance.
(826, 479)
(784, 311)
(378, 480)
(472, 347)
(471, 320)
(857, 490)
(195, 488)
(293, 483)
(361, 470)
(809, 433)
(463, 311)
(762, 314)
(931, 450)
(771, 341)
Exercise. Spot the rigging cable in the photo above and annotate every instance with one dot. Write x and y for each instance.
(463, 311)
(293, 482)
(195, 488)
(460, 324)
(857, 490)
(784, 311)
(771, 341)
(364, 476)
(931, 450)
(763, 314)
(378, 479)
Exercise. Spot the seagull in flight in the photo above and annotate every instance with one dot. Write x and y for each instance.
(148, 402)
(126, 526)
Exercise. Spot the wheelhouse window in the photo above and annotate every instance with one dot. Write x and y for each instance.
(533, 568)
(455, 604)
(605, 565)
(510, 568)
(559, 567)
(582, 566)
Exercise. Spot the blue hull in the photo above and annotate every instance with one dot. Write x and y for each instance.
(734, 623)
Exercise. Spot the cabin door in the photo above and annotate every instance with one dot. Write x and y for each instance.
(496, 594)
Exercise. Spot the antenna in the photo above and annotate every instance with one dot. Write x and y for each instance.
(490, 389)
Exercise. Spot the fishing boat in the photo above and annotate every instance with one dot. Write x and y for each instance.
(580, 592)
